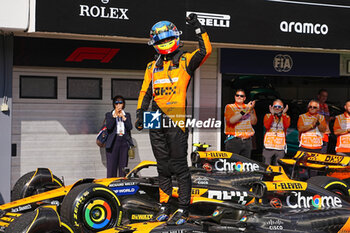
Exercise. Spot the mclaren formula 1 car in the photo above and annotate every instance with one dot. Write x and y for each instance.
(328, 171)
(218, 177)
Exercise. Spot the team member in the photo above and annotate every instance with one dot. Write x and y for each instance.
(342, 130)
(239, 118)
(323, 110)
(119, 140)
(276, 123)
(165, 82)
(311, 125)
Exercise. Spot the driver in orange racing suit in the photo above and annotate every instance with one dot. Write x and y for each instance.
(165, 82)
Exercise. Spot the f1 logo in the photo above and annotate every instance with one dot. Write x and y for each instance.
(105, 55)
(151, 120)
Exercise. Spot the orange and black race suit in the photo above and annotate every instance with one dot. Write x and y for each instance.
(165, 83)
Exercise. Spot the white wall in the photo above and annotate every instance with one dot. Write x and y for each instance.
(208, 95)
(60, 133)
(14, 15)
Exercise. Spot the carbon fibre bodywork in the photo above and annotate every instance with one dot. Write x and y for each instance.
(226, 185)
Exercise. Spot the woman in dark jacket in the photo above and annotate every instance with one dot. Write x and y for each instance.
(119, 140)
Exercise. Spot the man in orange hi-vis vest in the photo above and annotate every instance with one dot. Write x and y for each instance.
(276, 123)
(311, 127)
(342, 130)
(239, 118)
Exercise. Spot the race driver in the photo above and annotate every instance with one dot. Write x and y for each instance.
(165, 82)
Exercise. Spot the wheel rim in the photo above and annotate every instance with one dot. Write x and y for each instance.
(97, 213)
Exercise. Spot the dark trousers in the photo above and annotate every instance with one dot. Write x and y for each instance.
(117, 157)
(324, 147)
(169, 146)
(239, 146)
(268, 155)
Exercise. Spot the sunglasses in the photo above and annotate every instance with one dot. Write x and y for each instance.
(277, 106)
(118, 102)
(313, 107)
(240, 96)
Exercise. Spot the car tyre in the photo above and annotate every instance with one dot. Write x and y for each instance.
(91, 208)
(331, 184)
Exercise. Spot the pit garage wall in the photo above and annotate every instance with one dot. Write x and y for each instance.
(6, 54)
(60, 134)
(208, 98)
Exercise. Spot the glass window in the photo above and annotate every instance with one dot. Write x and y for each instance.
(128, 88)
(41, 87)
(84, 88)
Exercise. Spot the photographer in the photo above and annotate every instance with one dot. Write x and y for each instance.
(311, 127)
(276, 123)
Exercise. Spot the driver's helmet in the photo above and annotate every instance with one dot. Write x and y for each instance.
(165, 37)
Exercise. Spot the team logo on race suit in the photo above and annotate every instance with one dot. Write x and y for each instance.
(282, 63)
(296, 200)
(165, 90)
(151, 120)
(224, 165)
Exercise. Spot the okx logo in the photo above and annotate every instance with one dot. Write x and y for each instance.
(151, 120)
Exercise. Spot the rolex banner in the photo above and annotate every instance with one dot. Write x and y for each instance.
(309, 23)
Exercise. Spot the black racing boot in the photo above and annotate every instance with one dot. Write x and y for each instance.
(179, 217)
(163, 214)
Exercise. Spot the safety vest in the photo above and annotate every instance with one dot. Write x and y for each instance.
(275, 137)
(241, 129)
(311, 139)
(343, 141)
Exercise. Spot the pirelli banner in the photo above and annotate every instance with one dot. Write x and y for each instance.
(308, 23)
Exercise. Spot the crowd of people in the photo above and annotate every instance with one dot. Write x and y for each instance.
(313, 127)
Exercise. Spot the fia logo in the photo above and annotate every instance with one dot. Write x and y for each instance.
(282, 63)
(151, 120)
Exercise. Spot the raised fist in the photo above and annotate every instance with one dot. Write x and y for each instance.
(192, 19)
